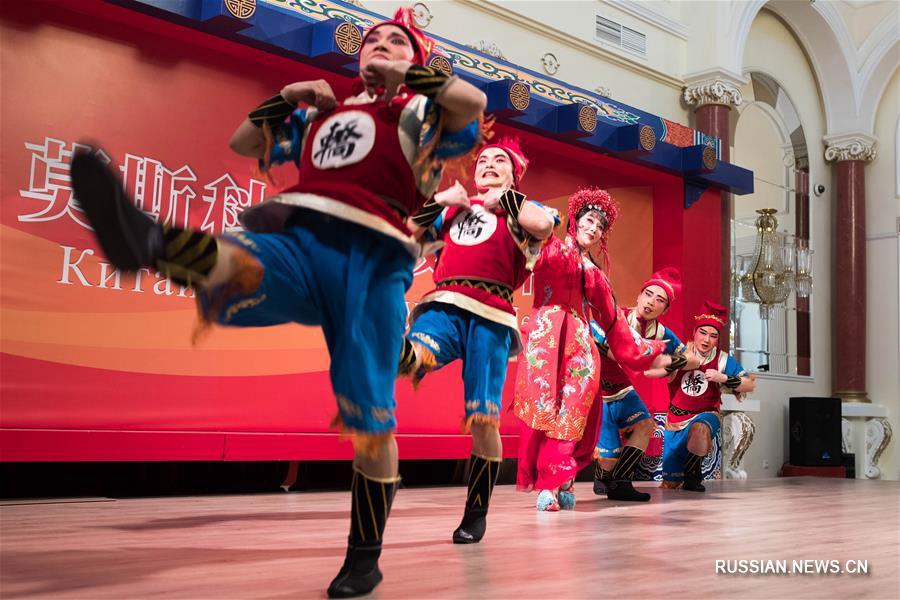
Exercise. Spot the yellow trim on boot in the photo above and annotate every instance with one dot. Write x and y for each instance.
(394, 479)
(489, 458)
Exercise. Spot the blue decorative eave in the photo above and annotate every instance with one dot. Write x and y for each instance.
(327, 33)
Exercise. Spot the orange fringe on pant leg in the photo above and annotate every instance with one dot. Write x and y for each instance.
(481, 419)
(426, 364)
(364, 443)
(247, 276)
(203, 326)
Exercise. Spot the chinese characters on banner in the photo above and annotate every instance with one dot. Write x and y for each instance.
(165, 194)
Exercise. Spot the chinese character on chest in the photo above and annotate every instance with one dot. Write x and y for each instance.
(343, 139)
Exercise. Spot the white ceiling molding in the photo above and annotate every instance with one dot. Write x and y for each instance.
(777, 120)
(872, 64)
(827, 42)
(881, 43)
(784, 114)
(877, 84)
(741, 22)
(619, 59)
(722, 73)
(861, 3)
(886, 33)
(845, 41)
(849, 137)
(852, 80)
(644, 12)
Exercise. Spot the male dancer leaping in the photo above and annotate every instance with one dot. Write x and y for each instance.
(330, 251)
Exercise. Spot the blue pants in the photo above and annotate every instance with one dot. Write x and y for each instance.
(617, 415)
(350, 281)
(675, 449)
(453, 333)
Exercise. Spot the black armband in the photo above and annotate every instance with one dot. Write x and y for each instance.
(425, 80)
(733, 382)
(512, 202)
(428, 214)
(272, 111)
(678, 361)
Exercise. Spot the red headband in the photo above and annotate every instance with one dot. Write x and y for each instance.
(669, 279)
(512, 148)
(404, 19)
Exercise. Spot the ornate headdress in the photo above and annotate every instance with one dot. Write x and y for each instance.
(593, 199)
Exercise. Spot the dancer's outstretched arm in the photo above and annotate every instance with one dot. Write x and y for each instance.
(533, 217)
(249, 138)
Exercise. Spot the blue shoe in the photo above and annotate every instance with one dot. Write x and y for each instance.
(567, 499)
(546, 501)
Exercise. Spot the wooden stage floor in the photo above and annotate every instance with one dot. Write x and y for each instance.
(290, 545)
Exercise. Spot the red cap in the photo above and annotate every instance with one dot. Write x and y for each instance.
(712, 315)
(511, 146)
(403, 18)
(669, 279)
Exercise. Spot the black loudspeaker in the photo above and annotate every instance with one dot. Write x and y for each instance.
(815, 432)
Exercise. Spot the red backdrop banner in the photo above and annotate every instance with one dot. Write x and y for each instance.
(86, 350)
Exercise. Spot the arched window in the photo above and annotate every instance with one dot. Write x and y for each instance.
(769, 139)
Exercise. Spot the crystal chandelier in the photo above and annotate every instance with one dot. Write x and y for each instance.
(778, 266)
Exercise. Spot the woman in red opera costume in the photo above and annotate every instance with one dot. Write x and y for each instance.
(559, 371)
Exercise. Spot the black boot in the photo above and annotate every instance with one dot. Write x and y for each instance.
(601, 478)
(619, 487)
(369, 511)
(129, 238)
(623, 490)
(482, 477)
(693, 478)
